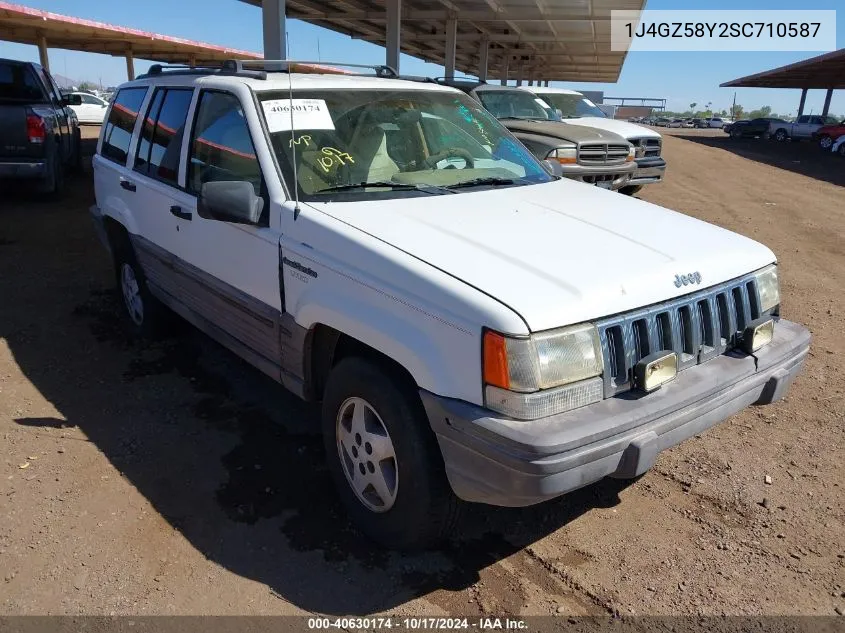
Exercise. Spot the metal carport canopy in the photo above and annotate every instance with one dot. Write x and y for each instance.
(824, 71)
(45, 29)
(556, 40)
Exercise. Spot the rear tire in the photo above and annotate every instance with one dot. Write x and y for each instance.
(781, 135)
(630, 190)
(384, 458)
(142, 314)
(53, 183)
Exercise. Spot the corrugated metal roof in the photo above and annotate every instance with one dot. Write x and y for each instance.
(824, 71)
(558, 40)
(26, 25)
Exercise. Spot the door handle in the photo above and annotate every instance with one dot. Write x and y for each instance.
(127, 184)
(182, 215)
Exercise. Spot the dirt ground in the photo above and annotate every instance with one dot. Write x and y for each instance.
(173, 479)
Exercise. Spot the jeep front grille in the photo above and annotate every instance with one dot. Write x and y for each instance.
(697, 327)
(602, 154)
(648, 147)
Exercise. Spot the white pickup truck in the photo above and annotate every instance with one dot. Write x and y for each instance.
(475, 327)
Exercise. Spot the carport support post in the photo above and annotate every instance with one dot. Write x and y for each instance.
(827, 99)
(484, 55)
(273, 20)
(451, 46)
(803, 101)
(42, 51)
(130, 64)
(507, 68)
(394, 33)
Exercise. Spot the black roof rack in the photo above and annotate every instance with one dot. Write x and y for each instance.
(289, 65)
(157, 70)
(258, 68)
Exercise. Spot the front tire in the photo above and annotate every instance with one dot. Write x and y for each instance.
(383, 457)
(826, 142)
(781, 136)
(841, 150)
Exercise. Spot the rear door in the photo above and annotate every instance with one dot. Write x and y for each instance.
(115, 187)
(160, 202)
(800, 128)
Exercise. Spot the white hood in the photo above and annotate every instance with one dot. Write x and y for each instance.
(623, 128)
(559, 253)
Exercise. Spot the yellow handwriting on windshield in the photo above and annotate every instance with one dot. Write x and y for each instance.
(302, 139)
(333, 157)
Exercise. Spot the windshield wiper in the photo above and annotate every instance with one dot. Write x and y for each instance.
(481, 182)
(395, 186)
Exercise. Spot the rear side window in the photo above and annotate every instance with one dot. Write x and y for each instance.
(221, 147)
(118, 131)
(19, 83)
(160, 144)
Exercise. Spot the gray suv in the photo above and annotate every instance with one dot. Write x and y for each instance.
(597, 157)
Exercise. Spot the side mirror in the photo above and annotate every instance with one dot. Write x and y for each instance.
(71, 100)
(554, 168)
(559, 113)
(230, 201)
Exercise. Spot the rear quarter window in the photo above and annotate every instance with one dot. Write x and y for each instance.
(117, 133)
(19, 83)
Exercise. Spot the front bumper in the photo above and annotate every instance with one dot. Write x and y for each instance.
(505, 462)
(649, 171)
(611, 177)
(23, 170)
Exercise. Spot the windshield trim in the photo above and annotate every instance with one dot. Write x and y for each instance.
(542, 176)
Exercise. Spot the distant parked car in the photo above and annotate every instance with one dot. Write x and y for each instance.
(838, 146)
(662, 122)
(805, 126)
(752, 128)
(675, 123)
(699, 123)
(829, 133)
(714, 122)
(91, 110)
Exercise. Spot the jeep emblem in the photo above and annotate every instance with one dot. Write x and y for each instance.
(688, 280)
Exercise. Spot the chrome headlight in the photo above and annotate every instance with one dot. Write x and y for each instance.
(768, 289)
(566, 155)
(544, 373)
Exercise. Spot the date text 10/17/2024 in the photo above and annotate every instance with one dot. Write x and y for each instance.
(419, 623)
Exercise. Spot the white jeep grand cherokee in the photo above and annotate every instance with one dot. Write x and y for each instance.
(475, 327)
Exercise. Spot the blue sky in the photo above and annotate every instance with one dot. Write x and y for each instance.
(682, 78)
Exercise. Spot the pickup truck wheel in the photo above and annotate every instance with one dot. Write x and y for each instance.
(781, 135)
(53, 183)
(143, 314)
(630, 190)
(384, 459)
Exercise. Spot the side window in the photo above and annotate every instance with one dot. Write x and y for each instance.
(86, 98)
(160, 144)
(221, 147)
(118, 130)
(802, 119)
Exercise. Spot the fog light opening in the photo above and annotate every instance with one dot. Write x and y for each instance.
(655, 370)
(758, 334)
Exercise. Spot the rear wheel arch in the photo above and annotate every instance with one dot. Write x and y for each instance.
(117, 234)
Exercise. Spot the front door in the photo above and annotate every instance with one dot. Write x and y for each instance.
(232, 268)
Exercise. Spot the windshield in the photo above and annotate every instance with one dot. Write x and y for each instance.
(373, 144)
(516, 104)
(573, 106)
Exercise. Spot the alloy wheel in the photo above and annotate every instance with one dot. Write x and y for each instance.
(367, 455)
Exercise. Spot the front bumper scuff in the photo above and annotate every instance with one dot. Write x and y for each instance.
(511, 463)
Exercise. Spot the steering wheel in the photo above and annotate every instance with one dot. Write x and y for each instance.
(431, 161)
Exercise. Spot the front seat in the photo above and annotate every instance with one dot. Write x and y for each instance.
(372, 161)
